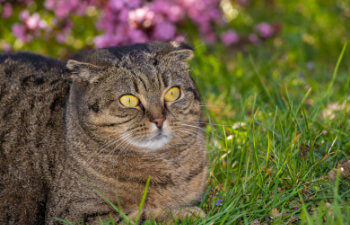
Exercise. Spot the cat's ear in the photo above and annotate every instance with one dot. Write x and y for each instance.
(181, 50)
(83, 71)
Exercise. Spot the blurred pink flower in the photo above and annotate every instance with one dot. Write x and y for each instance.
(179, 38)
(20, 32)
(117, 4)
(24, 14)
(253, 38)
(264, 29)
(31, 26)
(65, 30)
(137, 36)
(132, 21)
(164, 31)
(50, 4)
(102, 41)
(63, 8)
(33, 21)
(6, 47)
(141, 17)
(229, 37)
(122, 20)
(7, 10)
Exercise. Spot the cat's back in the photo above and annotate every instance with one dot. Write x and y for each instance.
(33, 92)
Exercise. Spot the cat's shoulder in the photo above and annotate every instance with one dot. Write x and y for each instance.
(20, 67)
(28, 58)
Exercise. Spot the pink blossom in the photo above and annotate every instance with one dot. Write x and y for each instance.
(65, 30)
(137, 36)
(133, 3)
(63, 8)
(230, 37)
(20, 32)
(31, 26)
(210, 36)
(164, 31)
(102, 41)
(6, 47)
(132, 21)
(24, 14)
(33, 21)
(176, 13)
(7, 10)
(141, 17)
(117, 4)
(157, 19)
(179, 38)
(264, 29)
(50, 4)
(253, 38)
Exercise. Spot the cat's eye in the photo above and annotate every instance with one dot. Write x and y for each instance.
(172, 94)
(129, 100)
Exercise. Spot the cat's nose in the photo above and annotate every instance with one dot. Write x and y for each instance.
(159, 122)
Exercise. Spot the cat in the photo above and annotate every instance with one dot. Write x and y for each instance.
(109, 118)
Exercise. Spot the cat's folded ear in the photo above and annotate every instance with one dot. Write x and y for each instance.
(181, 50)
(83, 71)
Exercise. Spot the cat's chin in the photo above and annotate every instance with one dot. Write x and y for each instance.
(154, 142)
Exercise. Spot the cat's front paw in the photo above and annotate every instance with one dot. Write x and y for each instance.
(343, 169)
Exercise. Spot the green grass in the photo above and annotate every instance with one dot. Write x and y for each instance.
(270, 141)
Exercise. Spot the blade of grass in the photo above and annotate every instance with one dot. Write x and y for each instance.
(335, 72)
(143, 200)
(63, 221)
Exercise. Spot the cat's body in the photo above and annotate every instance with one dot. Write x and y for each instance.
(54, 127)
(32, 95)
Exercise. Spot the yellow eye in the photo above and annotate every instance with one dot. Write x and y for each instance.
(129, 100)
(172, 94)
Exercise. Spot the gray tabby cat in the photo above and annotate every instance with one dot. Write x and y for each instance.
(114, 116)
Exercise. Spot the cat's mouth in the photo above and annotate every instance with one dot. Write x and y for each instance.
(154, 142)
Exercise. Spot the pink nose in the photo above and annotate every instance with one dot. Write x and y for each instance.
(159, 122)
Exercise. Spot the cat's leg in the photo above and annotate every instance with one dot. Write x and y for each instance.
(167, 215)
(22, 203)
(344, 170)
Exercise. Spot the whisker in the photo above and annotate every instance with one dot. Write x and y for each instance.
(116, 147)
(188, 125)
(104, 148)
(199, 128)
(216, 124)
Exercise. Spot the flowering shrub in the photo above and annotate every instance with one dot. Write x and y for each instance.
(125, 21)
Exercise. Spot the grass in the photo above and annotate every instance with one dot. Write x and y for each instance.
(272, 139)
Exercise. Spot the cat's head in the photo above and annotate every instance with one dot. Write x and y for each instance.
(142, 95)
